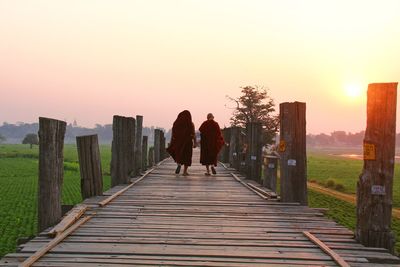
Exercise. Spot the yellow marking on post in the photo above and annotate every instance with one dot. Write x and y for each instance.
(369, 151)
(282, 146)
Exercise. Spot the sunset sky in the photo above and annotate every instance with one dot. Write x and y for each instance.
(90, 59)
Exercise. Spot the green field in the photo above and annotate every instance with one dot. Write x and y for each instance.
(323, 166)
(18, 188)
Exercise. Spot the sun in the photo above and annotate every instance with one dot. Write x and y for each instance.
(353, 90)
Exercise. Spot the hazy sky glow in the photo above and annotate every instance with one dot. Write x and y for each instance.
(90, 59)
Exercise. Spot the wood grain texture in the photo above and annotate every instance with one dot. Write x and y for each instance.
(198, 220)
(374, 210)
(51, 171)
(293, 162)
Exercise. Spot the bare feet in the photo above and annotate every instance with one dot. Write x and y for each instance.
(207, 174)
(185, 174)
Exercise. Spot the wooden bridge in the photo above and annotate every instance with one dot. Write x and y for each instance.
(163, 219)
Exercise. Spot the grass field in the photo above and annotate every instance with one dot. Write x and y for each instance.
(323, 166)
(18, 188)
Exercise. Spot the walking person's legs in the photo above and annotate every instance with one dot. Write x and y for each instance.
(208, 170)
(185, 168)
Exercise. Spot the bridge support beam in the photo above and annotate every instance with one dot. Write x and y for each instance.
(122, 150)
(270, 172)
(234, 148)
(51, 171)
(224, 153)
(375, 184)
(90, 166)
(254, 154)
(138, 145)
(293, 152)
(157, 146)
(144, 152)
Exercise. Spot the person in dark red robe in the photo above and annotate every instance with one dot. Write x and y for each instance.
(182, 141)
(210, 144)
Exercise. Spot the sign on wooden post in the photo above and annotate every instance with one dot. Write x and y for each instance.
(254, 155)
(157, 146)
(270, 172)
(51, 171)
(90, 166)
(375, 184)
(144, 152)
(234, 148)
(138, 145)
(122, 150)
(292, 150)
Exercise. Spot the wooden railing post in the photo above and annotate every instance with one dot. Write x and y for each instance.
(122, 150)
(375, 184)
(157, 145)
(224, 153)
(254, 155)
(138, 145)
(90, 166)
(292, 149)
(163, 151)
(270, 172)
(151, 156)
(234, 148)
(51, 171)
(144, 152)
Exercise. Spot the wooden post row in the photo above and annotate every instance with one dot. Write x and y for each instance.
(292, 149)
(138, 145)
(270, 172)
(123, 150)
(235, 148)
(144, 152)
(163, 151)
(254, 155)
(157, 145)
(151, 157)
(224, 153)
(51, 171)
(90, 166)
(375, 184)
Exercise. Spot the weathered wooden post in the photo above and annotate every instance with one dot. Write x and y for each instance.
(270, 172)
(157, 145)
(123, 150)
(163, 151)
(375, 185)
(51, 171)
(151, 156)
(224, 153)
(90, 166)
(254, 155)
(138, 144)
(292, 149)
(144, 152)
(234, 148)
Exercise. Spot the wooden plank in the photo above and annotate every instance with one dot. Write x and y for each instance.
(68, 220)
(262, 191)
(248, 187)
(112, 197)
(339, 260)
(42, 251)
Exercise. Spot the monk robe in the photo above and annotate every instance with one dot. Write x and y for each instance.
(181, 146)
(211, 142)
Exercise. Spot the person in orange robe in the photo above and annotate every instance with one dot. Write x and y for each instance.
(182, 141)
(210, 144)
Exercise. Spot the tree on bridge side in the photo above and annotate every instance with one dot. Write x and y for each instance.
(256, 105)
(31, 139)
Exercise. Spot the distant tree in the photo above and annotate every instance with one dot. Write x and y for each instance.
(2, 138)
(256, 105)
(31, 139)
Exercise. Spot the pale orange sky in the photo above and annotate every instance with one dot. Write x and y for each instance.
(90, 59)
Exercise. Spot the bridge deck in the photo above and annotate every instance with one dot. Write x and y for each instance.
(199, 221)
